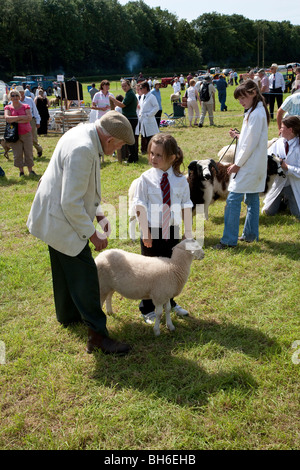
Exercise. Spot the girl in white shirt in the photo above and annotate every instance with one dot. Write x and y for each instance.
(155, 215)
(249, 171)
(287, 148)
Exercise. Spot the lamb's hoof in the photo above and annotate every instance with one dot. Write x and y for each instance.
(171, 327)
(156, 332)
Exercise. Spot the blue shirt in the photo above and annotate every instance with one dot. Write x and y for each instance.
(221, 84)
(157, 95)
(292, 105)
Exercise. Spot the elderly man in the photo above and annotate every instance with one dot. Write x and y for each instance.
(290, 106)
(62, 214)
(277, 87)
(36, 119)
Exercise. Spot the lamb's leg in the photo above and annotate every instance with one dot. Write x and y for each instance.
(158, 314)
(170, 325)
(108, 303)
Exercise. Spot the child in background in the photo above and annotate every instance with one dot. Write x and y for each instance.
(248, 172)
(162, 200)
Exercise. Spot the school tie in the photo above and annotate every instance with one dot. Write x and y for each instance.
(166, 212)
(286, 146)
(274, 80)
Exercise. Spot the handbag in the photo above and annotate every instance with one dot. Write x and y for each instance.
(11, 132)
(184, 101)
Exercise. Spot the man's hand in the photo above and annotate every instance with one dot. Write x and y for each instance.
(99, 240)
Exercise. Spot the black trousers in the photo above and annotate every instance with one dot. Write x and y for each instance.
(133, 149)
(76, 289)
(159, 247)
(275, 93)
(158, 116)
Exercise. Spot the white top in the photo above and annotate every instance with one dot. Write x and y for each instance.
(176, 87)
(251, 153)
(191, 93)
(292, 159)
(147, 124)
(100, 100)
(279, 81)
(148, 194)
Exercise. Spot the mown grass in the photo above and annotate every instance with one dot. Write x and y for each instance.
(225, 379)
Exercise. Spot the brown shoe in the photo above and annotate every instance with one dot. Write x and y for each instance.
(106, 344)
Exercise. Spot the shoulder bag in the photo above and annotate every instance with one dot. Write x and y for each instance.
(11, 132)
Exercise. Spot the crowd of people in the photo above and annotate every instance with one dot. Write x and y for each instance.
(69, 193)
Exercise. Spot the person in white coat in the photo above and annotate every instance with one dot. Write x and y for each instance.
(147, 109)
(62, 214)
(286, 189)
(248, 172)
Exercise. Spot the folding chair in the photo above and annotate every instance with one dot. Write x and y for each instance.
(178, 115)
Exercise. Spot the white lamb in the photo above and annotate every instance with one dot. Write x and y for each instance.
(139, 277)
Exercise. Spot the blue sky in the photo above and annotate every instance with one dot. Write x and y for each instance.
(288, 10)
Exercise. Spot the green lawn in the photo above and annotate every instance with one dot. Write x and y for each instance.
(227, 378)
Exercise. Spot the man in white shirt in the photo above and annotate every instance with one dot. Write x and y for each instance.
(277, 87)
(176, 85)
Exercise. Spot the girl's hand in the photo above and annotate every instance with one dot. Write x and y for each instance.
(233, 133)
(284, 165)
(147, 240)
(233, 169)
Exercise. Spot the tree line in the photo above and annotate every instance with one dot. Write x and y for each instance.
(93, 37)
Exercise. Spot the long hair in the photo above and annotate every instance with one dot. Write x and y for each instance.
(170, 148)
(294, 123)
(249, 87)
(104, 82)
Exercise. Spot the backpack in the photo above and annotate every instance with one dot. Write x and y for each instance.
(204, 92)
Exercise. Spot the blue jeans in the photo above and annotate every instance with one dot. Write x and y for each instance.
(222, 99)
(288, 196)
(232, 218)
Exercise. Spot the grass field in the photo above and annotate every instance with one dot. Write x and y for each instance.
(227, 378)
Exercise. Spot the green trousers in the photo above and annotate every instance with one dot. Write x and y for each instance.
(76, 289)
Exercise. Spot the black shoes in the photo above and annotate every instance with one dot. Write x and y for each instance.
(222, 246)
(106, 344)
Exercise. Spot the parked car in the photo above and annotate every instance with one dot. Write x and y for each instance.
(226, 72)
(34, 81)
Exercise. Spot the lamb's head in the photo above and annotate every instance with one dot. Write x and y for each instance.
(192, 247)
(274, 166)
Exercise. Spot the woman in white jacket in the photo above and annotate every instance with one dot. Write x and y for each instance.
(288, 189)
(248, 173)
(147, 108)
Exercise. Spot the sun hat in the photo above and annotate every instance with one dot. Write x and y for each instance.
(117, 126)
(274, 65)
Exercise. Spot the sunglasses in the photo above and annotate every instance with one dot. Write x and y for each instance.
(13, 96)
